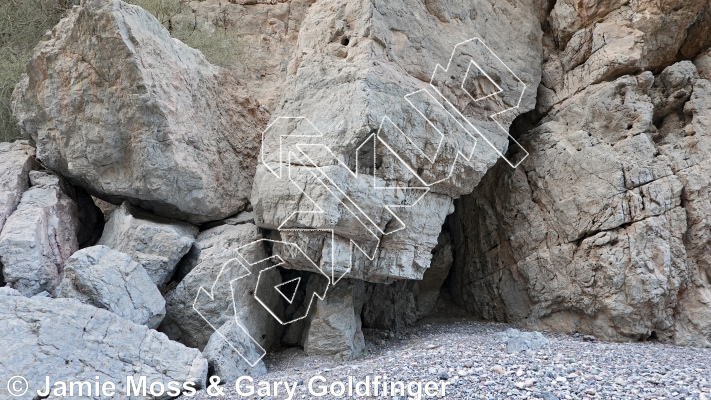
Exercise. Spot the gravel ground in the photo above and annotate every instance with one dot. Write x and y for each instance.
(475, 365)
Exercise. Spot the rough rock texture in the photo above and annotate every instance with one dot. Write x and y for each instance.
(156, 243)
(263, 33)
(70, 341)
(230, 354)
(351, 66)
(111, 280)
(589, 42)
(212, 265)
(16, 161)
(120, 108)
(516, 340)
(604, 229)
(404, 302)
(334, 327)
(39, 236)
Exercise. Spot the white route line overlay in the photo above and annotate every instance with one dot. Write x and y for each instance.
(426, 187)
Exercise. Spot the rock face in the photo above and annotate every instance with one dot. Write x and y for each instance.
(230, 354)
(71, 341)
(213, 267)
(263, 36)
(120, 108)
(604, 229)
(111, 280)
(16, 162)
(352, 65)
(39, 236)
(402, 303)
(334, 328)
(157, 244)
(596, 41)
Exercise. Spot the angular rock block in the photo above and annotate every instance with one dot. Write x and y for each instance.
(157, 244)
(158, 125)
(111, 280)
(429, 143)
(517, 341)
(214, 268)
(71, 341)
(334, 328)
(39, 236)
(16, 161)
(231, 353)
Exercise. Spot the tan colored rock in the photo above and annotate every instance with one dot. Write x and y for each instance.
(602, 230)
(120, 108)
(261, 36)
(594, 41)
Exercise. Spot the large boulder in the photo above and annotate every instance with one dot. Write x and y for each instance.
(334, 328)
(604, 229)
(232, 353)
(111, 280)
(71, 341)
(16, 161)
(156, 243)
(352, 65)
(118, 107)
(39, 236)
(226, 287)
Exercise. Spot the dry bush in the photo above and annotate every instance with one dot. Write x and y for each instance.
(22, 24)
(219, 47)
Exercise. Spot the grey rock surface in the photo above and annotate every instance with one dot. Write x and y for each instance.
(517, 341)
(212, 265)
(352, 64)
(39, 236)
(162, 128)
(231, 353)
(16, 162)
(157, 244)
(334, 328)
(71, 341)
(111, 280)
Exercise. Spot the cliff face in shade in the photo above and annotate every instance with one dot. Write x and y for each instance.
(604, 228)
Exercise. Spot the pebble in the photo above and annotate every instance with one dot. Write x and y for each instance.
(476, 365)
